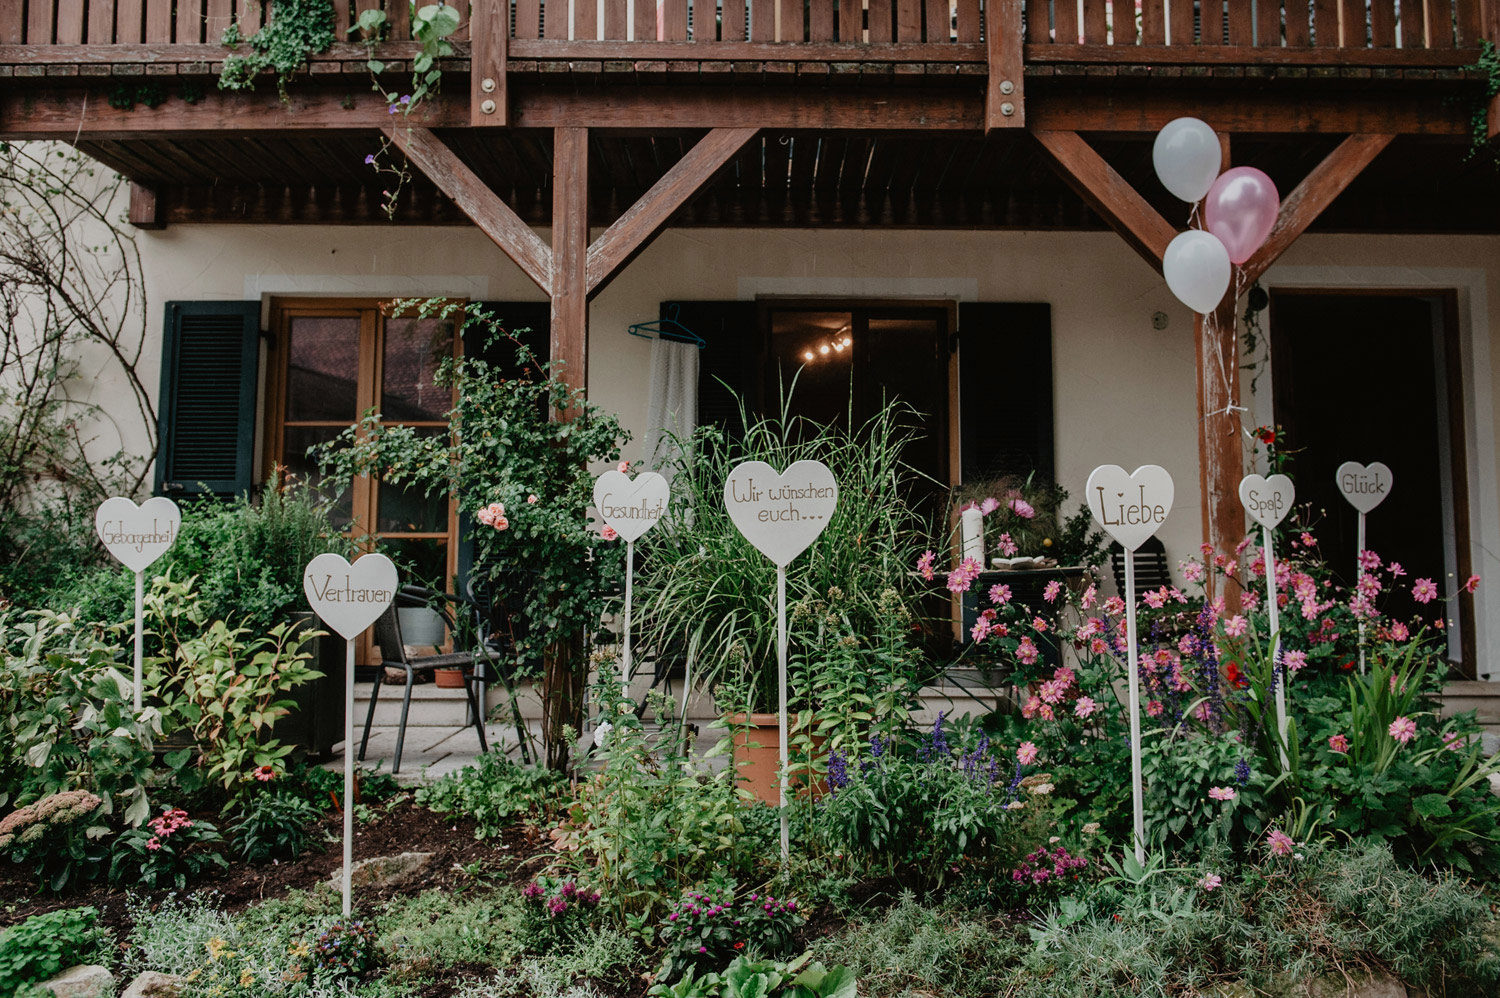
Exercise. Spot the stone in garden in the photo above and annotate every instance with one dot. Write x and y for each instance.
(1373, 986)
(87, 980)
(386, 871)
(154, 984)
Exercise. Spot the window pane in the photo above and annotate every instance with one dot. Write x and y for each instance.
(413, 350)
(294, 456)
(817, 350)
(420, 562)
(405, 509)
(322, 368)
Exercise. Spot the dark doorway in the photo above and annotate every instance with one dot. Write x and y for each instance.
(1374, 376)
(853, 360)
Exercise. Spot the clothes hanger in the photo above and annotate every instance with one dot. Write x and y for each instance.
(667, 329)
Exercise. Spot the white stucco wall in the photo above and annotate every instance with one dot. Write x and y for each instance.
(1124, 391)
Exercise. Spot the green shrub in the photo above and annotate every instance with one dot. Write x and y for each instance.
(43, 945)
(493, 791)
(436, 930)
(168, 852)
(274, 824)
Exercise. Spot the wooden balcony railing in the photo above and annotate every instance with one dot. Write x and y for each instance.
(1117, 30)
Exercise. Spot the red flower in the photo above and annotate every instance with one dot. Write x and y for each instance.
(1235, 677)
(1267, 435)
(1348, 666)
(739, 945)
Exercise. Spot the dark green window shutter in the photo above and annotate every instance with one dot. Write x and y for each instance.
(206, 412)
(1005, 389)
(731, 363)
(531, 323)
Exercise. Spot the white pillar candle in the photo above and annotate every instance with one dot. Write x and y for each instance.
(973, 534)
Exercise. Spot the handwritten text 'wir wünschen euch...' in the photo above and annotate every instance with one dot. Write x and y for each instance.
(113, 532)
(789, 494)
(1139, 512)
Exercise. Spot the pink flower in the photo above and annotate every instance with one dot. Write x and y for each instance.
(1084, 707)
(623, 467)
(1026, 754)
(265, 774)
(1395, 569)
(1424, 591)
(500, 523)
(1211, 881)
(1295, 660)
(1280, 843)
(1453, 741)
(1154, 708)
(1000, 593)
(1307, 539)
(1026, 652)
(1089, 595)
(533, 499)
(1338, 743)
(1222, 793)
(924, 565)
(1039, 625)
(1114, 606)
(153, 843)
(989, 506)
(1192, 571)
(981, 629)
(609, 533)
(1369, 560)
(1236, 626)
(1403, 729)
(1006, 546)
(1472, 584)
(1022, 508)
(1156, 598)
(1052, 591)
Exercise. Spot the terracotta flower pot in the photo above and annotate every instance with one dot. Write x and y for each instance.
(759, 750)
(448, 679)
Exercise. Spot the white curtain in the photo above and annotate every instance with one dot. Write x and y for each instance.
(672, 404)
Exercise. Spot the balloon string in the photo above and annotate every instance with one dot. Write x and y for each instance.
(1213, 328)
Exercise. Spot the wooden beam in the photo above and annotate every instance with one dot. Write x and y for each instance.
(642, 220)
(489, 34)
(1221, 455)
(144, 212)
(570, 244)
(1316, 192)
(439, 164)
(1108, 194)
(1007, 74)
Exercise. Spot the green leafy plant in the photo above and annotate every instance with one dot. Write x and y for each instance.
(710, 925)
(169, 851)
(44, 945)
(345, 949)
(298, 30)
(1488, 64)
(556, 911)
(494, 792)
(274, 824)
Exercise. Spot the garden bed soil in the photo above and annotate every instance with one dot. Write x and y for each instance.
(403, 827)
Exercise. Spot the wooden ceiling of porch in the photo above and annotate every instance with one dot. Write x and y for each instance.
(780, 179)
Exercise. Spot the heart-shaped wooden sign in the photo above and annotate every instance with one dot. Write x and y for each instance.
(631, 507)
(137, 535)
(1267, 500)
(1130, 507)
(781, 513)
(1364, 485)
(349, 597)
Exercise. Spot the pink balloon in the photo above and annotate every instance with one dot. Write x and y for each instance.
(1241, 209)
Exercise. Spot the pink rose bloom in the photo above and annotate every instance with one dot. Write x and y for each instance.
(1084, 707)
(924, 565)
(1403, 729)
(1052, 591)
(1222, 793)
(1338, 743)
(1000, 593)
(1472, 584)
(1026, 754)
(623, 467)
(1022, 508)
(1424, 591)
(989, 506)
(609, 533)
(1280, 843)
(1236, 626)
(1211, 882)
(500, 523)
(533, 499)
(1026, 652)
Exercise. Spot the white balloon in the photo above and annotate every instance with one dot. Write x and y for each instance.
(1197, 268)
(1187, 158)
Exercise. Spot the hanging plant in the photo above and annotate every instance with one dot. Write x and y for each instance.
(299, 30)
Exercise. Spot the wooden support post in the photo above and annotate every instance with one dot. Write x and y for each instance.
(1003, 42)
(144, 213)
(1221, 460)
(570, 244)
(489, 40)
(642, 220)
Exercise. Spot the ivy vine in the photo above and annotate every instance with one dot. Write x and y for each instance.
(1488, 64)
(299, 30)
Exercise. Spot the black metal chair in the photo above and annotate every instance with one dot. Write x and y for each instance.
(1151, 568)
(393, 651)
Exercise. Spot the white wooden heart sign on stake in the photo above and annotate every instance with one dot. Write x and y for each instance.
(136, 536)
(781, 513)
(631, 508)
(1365, 486)
(349, 598)
(1131, 507)
(1267, 499)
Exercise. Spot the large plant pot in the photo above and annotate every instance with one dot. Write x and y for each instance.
(759, 749)
(421, 626)
(316, 720)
